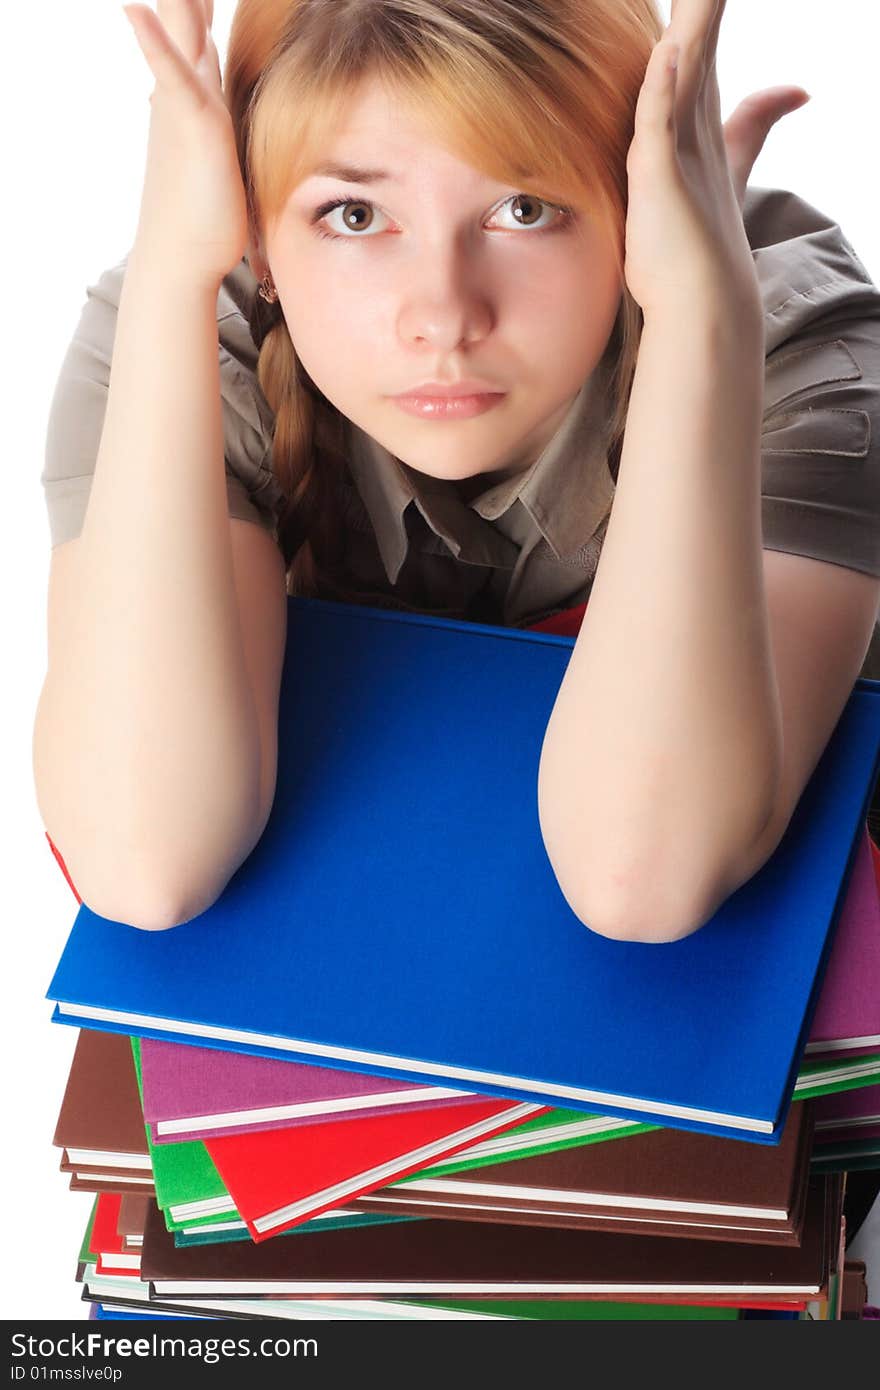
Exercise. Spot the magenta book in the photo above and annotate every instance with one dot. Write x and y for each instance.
(849, 1110)
(847, 1017)
(193, 1092)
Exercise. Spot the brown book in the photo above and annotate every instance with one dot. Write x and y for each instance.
(101, 1124)
(90, 1183)
(131, 1220)
(431, 1259)
(139, 1172)
(854, 1294)
(666, 1182)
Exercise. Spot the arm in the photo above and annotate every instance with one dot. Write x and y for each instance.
(146, 749)
(662, 756)
(151, 773)
(709, 674)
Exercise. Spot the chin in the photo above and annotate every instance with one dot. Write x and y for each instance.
(451, 470)
(450, 467)
(453, 459)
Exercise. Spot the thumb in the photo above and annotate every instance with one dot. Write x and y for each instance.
(748, 127)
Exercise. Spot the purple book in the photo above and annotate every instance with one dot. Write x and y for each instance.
(848, 1111)
(847, 1017)
(201, 1092)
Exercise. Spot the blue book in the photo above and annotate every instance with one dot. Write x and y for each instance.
(400, 914)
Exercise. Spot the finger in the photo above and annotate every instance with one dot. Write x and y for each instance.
(690, 26)
(167, 64)
(714, 31)
(701, 22)
(184, 23)
(654, 132)
(746, 130)
(694, 24)
(710, 96)
(209, 63)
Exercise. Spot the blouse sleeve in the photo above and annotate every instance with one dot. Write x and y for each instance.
(76, 416)
(821, 428)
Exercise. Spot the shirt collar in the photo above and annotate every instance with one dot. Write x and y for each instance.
(567, 491)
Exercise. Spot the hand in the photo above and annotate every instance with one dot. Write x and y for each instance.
(747, 129)
(686, 246)
(193, 214)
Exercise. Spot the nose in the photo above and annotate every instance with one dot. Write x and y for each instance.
(444, 306)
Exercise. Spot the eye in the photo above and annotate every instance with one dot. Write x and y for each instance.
(525, 209)
(357, 215)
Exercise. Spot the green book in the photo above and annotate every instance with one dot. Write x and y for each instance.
(85, 1254)
(193, 1196)
(558, 1129)
(221, 1233)
(577, 1310)
(188, 1187)
(838, 1074)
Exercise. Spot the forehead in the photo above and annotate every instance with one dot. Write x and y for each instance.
(380, 132)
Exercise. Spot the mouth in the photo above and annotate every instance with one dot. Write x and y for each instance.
(448, 407)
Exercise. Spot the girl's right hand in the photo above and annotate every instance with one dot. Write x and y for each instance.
(193, 214)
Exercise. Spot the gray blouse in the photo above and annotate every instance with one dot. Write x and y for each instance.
(528, 546)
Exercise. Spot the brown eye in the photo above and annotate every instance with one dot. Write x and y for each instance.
(356, 216)
(533, 213)
(526, 210)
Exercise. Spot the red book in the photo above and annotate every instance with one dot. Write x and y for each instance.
(105, 1237)
(279, 1178)
(106, 1242)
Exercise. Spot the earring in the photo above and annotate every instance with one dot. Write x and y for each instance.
(267, 290)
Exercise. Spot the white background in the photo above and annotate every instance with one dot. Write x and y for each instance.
(74, 122)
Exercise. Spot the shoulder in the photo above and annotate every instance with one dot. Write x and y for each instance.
(821, 427)
(76, 413)
(807, 268)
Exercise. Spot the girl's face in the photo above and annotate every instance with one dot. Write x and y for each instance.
(430, 272)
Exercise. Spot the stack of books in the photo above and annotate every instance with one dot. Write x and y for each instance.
(390, 1074)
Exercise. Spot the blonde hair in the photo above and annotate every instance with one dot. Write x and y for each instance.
(535, 93)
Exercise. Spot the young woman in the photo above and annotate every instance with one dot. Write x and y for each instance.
(517, 311)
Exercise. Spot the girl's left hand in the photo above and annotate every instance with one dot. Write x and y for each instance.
(686, 247)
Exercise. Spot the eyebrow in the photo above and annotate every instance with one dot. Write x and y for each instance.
(352, 173)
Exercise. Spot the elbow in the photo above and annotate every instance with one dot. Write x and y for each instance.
(660, 895)
(132, 897)
(637, 905)
(147, 912)
(643, 921)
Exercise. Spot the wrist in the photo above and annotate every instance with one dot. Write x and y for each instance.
(713, 329)
(165, 271)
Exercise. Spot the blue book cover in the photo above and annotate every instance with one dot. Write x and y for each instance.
(400, 915)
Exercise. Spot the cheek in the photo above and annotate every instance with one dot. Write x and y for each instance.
(331, 325)
(562, 319)
(590, 313)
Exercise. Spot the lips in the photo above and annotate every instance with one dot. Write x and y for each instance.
(451, 390)
(449, 407)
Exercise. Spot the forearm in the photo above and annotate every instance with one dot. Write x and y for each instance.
(663, 751)
(146, 744)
